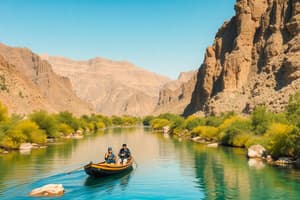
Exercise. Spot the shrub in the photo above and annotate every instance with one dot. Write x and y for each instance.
(193, 121)
(283, 140)
(117, 121)
(207, 132)
(31, 131)
(254, 139)
(45, 122)
(293, 109)
(7, 142)
(235, 131)
(261, 119)
(65, 129)
(159, 123)
(147, 119)
(100, 125)
(213, 121)
(68, 118)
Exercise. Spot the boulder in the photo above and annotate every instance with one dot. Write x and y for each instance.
(214, 145)
(25, 147)
(48, 190)
(256, 151)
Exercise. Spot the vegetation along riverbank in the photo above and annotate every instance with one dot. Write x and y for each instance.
(279, 133)
(40, 127)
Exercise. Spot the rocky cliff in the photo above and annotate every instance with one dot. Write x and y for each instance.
(112, 87)
(28, 83)
(175, 95)
(254, 60)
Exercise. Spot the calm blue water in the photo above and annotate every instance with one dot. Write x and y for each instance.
(167, 169)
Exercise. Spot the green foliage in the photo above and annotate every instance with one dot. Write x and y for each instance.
(129, 120)
(68, 118)
(206, 132)
(214, 121)
(3, 113)
(293, 109)
(283, 140)
(65, 129)
(261, 119)
(31, 131)
(147, 120)
(159, 123)
(117, 121)
(235, 131)
(45, 122)
(193, 121)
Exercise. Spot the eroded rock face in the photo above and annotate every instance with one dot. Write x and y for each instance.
(32, 85)
(254, 59)
(175, 95)
(112, 87)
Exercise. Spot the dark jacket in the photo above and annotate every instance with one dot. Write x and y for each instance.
(124, 153)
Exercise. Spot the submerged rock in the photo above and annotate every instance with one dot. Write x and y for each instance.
(256, 151)
(48, 190)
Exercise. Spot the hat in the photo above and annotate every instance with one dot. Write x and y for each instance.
(109, 149)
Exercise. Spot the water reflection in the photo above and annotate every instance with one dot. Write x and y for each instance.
(110, 182)
(167, 169)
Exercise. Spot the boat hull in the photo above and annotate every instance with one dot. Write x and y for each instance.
(103, 169)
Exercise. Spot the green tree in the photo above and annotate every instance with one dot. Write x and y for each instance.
(293, 109)
(261, 119)
(45, 122)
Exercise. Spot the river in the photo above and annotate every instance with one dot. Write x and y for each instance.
(167, 168)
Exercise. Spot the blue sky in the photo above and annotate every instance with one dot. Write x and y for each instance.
(164, 36)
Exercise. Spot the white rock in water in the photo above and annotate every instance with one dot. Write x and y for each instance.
(256, 151)
(48, 190)
(213, 145)
(25, 146)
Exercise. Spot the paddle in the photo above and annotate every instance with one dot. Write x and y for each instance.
(75, 169)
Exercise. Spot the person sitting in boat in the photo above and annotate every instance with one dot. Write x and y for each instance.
(124, 154)
(110, 156)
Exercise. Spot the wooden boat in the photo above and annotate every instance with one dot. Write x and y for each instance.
(103, 169)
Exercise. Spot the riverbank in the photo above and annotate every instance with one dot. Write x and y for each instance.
(39, 128)
(278, 133)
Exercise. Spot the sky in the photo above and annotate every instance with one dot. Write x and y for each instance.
(163, 36)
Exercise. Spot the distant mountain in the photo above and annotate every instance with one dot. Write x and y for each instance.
(254, 60)
(175, 95)
(28, 83)
(112, 87)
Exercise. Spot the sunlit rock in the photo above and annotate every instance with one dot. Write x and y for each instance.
(256, 151)
(48, 190)
(214, 145)
(26, 147)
